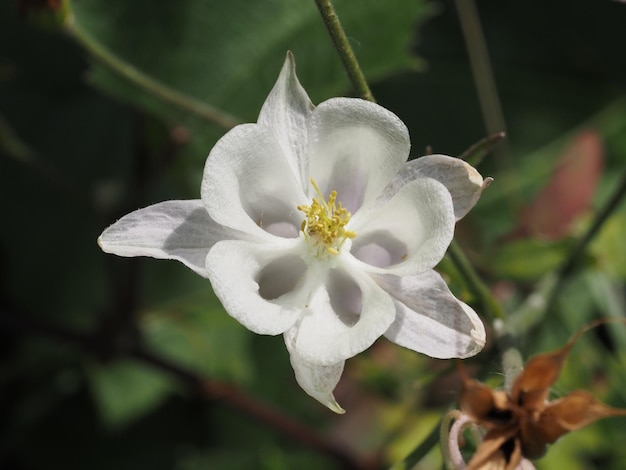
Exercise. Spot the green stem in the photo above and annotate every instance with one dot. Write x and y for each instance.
(420, 451)
(475, 154)
(534, 307)
(475, 283)
(486, 89)
(576, 254)
(481, 66)
(340, 40)
(512, 361)
(132, 74)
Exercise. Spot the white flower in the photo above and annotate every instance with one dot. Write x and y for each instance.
(312, 224)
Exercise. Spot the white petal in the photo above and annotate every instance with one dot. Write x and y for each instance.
(430, 320)
(285, 112)
(257, 283)
(179, 230)
(249, 185)
(316, 380)
(355, 148)
(343, 318)
(407, 234)
(460, 178)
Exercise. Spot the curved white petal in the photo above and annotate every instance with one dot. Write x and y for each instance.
(248, 183)
(258, 283)
(355, 148)
(343, 318)
(285, 112)
(429, 319)
(316, 380)
(407, 234)
(460, 178)
(179, 230)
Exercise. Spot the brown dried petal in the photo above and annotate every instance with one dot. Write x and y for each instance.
(533, 439)
(575, 411)
(487, 407)
(532, 386)
(499, 450)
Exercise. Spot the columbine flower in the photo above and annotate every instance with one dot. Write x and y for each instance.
(522, 423)
(312, 224)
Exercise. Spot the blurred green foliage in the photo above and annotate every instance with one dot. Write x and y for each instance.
(82, 142)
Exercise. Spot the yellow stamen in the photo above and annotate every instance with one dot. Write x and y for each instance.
(325, 223)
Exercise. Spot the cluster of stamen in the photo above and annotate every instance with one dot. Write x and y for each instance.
(325, 223)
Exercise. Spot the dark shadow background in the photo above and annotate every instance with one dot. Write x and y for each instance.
(66, 310)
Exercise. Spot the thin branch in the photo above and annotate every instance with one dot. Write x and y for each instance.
(209, 389)
(251, 406)
(475, 154)
(340, 40)
(481, 66)
(577, 253)
(579, 250)
(487, 91)
(135, 76)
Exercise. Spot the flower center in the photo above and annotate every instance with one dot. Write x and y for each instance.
(324, 226)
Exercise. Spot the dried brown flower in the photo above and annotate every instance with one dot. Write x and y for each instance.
(521, 423)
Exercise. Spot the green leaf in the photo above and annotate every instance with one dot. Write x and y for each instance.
(124, 390)
(427, 442)
(229, 54)
(609, 300)
(528, 259)
(609, 247)
(198, 334)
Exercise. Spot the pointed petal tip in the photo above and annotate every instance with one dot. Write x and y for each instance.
(318, 381)
(334, 406)
(290, 62)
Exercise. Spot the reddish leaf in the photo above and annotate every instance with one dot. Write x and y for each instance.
(568, 193)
